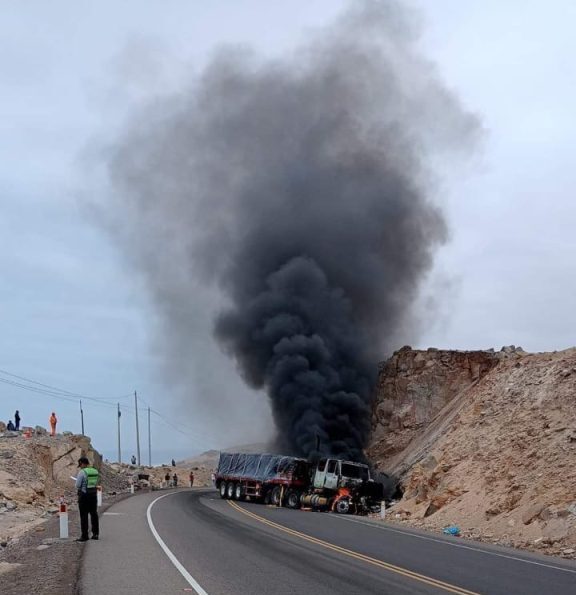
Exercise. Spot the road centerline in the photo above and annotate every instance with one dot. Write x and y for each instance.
(458, 545)
(356, 555)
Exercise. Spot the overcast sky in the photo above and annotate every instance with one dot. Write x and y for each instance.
(72, 316)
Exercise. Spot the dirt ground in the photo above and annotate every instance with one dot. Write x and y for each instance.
(40, 563)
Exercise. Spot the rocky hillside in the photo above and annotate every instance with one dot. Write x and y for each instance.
(483, 440)
(36, 471)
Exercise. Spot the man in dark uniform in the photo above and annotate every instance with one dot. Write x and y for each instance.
(86, 483)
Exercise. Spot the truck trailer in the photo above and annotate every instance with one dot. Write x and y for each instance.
(328, 485)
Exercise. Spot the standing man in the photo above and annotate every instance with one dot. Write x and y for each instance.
(53, 421)
(17, 420)
(191, 478)
(86, 483)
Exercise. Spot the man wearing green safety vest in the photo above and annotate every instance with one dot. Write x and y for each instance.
(86, 483)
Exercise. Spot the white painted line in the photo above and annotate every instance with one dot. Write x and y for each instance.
(187, 576)
(113, 513)
(460, 545)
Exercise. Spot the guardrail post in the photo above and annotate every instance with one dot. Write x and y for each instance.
(63, 518)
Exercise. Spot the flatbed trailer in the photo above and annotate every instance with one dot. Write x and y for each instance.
(269, 478)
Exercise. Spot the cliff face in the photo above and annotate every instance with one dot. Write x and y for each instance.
(414, 387)
(498, 459)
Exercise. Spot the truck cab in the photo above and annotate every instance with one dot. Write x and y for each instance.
(332, 474)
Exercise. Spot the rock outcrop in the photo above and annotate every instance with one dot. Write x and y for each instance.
(35, 471)
(414, 387)
(498, 459)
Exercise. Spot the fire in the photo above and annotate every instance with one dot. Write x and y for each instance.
(342, 493)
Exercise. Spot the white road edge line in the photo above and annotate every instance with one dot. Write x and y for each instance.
(187, 576)
(460, 545)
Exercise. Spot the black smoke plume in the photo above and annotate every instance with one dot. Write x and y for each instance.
(301, 188)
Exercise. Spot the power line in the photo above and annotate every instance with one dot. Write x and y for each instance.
(64, 395)
(55, 389)
(37, 390)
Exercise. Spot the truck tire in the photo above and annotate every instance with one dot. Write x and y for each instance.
(293, 499)
(222, 489)
(238, 492)
(275, 497)
(230, 490)
(343, 506)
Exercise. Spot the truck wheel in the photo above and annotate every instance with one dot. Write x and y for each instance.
(222, 489)
(238, 492)
(267, 497)
(343, 506)
(275, 498)
(293, 499)
(230, 490)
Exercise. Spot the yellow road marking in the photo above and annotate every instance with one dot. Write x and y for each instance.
(375, 562)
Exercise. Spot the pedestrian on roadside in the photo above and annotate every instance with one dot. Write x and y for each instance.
(53, 421)
(86, 484)
(10, 427)
(175, 480)
(191, 479)
(167, 479)
(17, 420)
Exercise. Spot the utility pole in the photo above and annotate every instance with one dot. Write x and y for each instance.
(119, 451)
(82, 417)
(149, 441)
(137, 428)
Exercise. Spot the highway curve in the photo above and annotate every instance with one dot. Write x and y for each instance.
(223, 547)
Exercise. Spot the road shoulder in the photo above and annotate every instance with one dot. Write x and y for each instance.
(40, 563)
(127, 558)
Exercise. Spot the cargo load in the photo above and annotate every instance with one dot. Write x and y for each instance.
(328, 485)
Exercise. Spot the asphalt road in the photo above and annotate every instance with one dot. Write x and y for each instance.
(226, 547)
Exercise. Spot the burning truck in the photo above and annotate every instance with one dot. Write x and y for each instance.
(330, 484)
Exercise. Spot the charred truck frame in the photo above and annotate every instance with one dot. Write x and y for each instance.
(331, 484)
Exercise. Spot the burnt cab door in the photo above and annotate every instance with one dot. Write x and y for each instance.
(332, 474)
(320, 475)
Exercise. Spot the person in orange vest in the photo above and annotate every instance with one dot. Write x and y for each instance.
(53, 421)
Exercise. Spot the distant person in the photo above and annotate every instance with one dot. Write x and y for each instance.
(11, 427)
(173, 463)
(133, 460)
(175, 480)
(17, 420)
(167, 479)
(53, 421)
(191, 479)
(86, 483)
